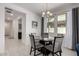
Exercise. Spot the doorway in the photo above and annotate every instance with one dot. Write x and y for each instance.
(15, 30)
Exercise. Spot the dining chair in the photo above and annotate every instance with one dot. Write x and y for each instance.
(55, 48)
(35, 46)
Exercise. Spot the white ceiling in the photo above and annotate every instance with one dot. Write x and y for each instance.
(38, 7)
(16, 14)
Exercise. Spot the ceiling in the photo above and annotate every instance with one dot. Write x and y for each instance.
(11, 14)
(39, 7)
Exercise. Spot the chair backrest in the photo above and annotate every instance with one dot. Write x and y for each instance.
(32, 41)
(58, 43)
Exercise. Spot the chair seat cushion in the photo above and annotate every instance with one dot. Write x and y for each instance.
(50, 48)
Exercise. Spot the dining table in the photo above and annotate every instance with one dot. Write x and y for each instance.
(47, 41)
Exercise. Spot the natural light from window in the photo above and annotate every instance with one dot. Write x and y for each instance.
(50, 28)
(61, 26)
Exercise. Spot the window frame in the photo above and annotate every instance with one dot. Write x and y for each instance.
(65, 20)
(54, 25)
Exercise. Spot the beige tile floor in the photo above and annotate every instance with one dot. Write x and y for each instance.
(17, 48)
(68, 52)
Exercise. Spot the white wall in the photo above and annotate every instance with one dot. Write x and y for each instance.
(15, 28)
(2, 28)
(9, 29)
(29, 18)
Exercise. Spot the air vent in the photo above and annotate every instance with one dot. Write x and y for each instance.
(8, 10)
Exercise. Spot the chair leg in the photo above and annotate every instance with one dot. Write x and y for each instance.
(52, 54)
(60, 53)
(34, 52)
(43, 54)
(30, 50)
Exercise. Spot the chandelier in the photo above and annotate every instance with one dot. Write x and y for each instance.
(46, 12)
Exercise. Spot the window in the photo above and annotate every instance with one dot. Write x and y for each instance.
(50, 25)
(57, 24)
(61, 24)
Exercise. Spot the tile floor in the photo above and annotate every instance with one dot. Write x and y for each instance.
(17, 48)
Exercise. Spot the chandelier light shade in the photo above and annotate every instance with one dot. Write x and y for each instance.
(46, 14)
(43, 14)
(51, 14)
